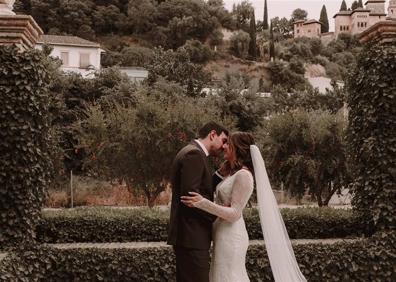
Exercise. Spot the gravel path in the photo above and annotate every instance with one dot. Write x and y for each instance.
(135, 245)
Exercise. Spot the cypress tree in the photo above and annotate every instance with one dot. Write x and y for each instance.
(343, 6)
(360, 4)
(265, 19)
(252, 33)
(324, 19)
(272, 45)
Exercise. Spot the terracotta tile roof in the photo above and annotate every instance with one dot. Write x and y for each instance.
(343, 13)
(66, 40)
(312, 21)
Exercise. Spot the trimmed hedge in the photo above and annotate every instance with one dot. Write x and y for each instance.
(364, 260)
(126, 225)
(25, 142)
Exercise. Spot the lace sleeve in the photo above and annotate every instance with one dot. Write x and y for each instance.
(242, 189)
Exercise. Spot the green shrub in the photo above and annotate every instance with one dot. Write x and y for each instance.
(115, 225)
(25, 166)
(372, 127)
(364, 260)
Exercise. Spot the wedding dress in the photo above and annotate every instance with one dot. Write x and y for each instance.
(230, 238)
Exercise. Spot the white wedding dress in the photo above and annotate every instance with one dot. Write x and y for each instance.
(230, 238)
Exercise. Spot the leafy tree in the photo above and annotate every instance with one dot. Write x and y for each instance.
(324, 19)
(176, 66)
(242, 13)
(141, 15)
(198, 52)
(283, 28)
(308, 153)
(137, 144)
(343, 6)
(265, 17)
(239, 44)
(281, 74)
(107, 19)
(252, 35)
(299, 14)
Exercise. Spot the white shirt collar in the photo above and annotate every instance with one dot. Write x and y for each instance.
(202, 146)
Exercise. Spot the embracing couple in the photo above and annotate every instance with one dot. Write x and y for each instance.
(196, 220)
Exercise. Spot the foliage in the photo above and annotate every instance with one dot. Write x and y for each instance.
(282, 27)
(25, 146)
(167, 23)
(176, 66)
(239, 102)
(372, 123)
(239, 44)
(324, 19)
(308, 153)
(242, 13)
(299, 14)
(343, 6)
(265, 17)
(150, 225)
(252, 35)
(362, 260)
(281, 74)
(120, 139)
(198, 52)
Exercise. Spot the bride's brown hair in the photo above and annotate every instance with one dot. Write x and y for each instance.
(239, 143)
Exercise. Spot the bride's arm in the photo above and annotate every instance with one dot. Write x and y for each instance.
(241, 191)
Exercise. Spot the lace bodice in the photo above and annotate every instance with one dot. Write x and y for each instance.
(232, 195)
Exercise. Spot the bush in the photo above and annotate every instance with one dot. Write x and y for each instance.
(372, 101)
(198, 52)
(25, 165)
(364, 260)
(239, 44)
(108, 225)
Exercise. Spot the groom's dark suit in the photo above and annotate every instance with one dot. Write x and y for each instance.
(190, 229)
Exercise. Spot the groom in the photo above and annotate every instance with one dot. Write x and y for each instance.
(190, 229)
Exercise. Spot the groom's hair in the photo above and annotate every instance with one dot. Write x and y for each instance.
(208, 127)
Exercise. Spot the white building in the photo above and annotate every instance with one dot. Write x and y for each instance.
(136, 74)
(77, 54)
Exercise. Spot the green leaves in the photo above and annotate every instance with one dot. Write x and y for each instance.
(24, 127)
(372, 102)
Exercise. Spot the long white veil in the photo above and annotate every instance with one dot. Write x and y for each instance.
(280, 252)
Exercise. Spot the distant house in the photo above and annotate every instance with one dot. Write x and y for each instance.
(360, 19)
(77, 55)
(309, 28)
(136, 74)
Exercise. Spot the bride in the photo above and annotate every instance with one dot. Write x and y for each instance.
(230, 238)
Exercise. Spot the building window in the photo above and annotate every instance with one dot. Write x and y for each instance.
(298, 31)
(84, 60)
(341, 28)
(309, 31)
(64, 56)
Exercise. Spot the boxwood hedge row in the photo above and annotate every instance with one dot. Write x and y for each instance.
(371, 259)
(126, 225)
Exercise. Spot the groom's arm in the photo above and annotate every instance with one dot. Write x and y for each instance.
(192, 168)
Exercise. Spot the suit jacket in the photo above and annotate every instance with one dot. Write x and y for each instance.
(190, 227)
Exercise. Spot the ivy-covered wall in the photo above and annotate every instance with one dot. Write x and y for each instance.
(24, 138)
(372, 129)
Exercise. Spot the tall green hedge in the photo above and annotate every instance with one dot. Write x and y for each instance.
(114, 225)
(24, 126)
(364, 260)
(372, 127)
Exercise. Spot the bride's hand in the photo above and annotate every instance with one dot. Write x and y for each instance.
(191, 200)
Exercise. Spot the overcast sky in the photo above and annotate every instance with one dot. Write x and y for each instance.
(284, 8)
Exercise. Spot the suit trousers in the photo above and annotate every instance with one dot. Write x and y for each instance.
(192, 265)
